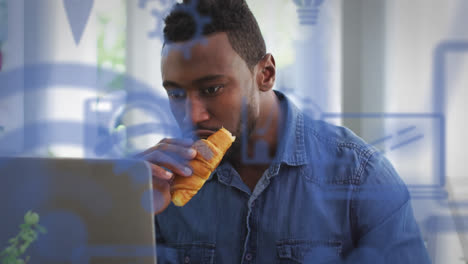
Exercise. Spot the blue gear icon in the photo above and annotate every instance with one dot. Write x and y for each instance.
(200, 21)
(158, 30)
(142, 3)
(159, 14)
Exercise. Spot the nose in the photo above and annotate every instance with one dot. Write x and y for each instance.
(195, 111)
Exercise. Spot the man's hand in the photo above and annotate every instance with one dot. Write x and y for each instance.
(167, 158)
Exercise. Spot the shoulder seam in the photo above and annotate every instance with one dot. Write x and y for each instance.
(369, 153)
(365, 152)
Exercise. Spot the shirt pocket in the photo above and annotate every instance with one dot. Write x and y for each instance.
(308, 251)
(177, 253)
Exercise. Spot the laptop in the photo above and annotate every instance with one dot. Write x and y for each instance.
(94, 211)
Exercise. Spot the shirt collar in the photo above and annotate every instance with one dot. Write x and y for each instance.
(291, 149)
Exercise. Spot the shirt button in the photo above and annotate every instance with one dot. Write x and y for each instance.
(248, 256)
(187, 259)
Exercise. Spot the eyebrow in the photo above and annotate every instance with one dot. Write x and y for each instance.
(197, 81)
(207, 79)
(167, 84)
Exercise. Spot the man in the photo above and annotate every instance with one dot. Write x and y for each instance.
(325, 196)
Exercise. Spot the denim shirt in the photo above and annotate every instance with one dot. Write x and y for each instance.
(327, 197)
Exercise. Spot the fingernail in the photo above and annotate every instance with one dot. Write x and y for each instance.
(191, 152)
(168, 174)
(187, 171)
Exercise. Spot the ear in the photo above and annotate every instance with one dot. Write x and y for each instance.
(266, 73)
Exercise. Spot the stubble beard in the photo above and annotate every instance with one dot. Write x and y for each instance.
(243, 132)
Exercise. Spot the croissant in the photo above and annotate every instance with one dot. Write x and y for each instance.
(210, 152)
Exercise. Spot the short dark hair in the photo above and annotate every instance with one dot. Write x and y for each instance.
(231, 16)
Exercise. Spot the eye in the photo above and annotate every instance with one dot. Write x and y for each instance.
(176, 94)
(212, 90)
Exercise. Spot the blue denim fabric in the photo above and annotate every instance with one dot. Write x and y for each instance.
(327, 197)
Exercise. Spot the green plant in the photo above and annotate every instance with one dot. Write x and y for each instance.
(18, 245)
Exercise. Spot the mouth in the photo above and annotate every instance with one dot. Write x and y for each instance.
(200, 133)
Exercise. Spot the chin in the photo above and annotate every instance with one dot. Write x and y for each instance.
(234, 151)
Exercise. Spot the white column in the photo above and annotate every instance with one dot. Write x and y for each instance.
(48, 40)
(318, 52)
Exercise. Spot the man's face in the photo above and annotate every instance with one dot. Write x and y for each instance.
(206, 90)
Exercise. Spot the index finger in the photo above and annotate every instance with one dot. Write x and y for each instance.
(185, 142)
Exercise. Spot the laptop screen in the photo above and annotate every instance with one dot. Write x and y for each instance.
(94, 211)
